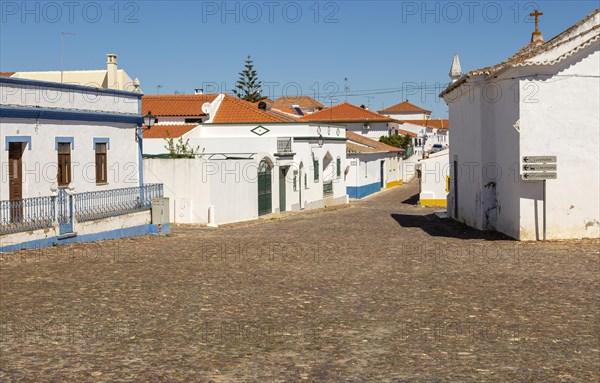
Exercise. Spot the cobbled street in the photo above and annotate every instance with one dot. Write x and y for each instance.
(378, 291)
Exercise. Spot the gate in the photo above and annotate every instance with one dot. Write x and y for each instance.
(65, 212)
(264, 189)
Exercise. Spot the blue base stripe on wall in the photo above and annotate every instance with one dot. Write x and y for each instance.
(363, 191)
(135, 231)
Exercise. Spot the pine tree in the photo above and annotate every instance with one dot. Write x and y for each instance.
(248, 86)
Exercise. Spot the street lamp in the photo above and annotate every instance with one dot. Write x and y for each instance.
(149, 120)
(320, 141)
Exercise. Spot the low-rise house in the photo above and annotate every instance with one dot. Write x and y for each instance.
(71, 165)
(369, 127)
(543, 102)
(434, 179)
(372, 166)
(110, 78)
(297, 106)
(250, 161)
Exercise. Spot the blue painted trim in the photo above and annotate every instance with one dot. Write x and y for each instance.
(101, 140)
(140, 148)
(363, 191)
(134, 231)
(25, 139)
(57, 85)
(67, 115)
(64, 140)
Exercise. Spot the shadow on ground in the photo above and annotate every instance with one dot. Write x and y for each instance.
(445, 227)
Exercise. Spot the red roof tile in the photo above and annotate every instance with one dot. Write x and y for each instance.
(285, 103)
(164, 131)
(234, 110)
(404, 107)
(436, 124)
(6, 74)
(182, 105)
(345, 113)
(371, 145)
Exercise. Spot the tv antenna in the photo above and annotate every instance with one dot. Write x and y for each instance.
(369, 98)
(158, 87)
(62, 53)
(346, 87)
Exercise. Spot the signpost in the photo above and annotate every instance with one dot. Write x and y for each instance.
(540, 168)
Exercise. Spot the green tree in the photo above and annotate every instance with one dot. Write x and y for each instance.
(397, 141)
(248, 86)
(179, 148)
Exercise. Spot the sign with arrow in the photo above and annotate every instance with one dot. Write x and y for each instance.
(539, 168)
(539, 176)
(539, 159)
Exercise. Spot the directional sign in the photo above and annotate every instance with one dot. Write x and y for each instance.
(539, 176)
(539, 168)
(539, 159)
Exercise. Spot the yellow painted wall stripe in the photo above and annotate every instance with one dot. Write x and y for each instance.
(433, 202)
(394, 184)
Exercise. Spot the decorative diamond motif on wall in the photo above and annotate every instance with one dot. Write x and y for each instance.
(260, 130)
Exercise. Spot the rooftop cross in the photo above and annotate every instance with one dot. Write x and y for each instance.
(537, 15)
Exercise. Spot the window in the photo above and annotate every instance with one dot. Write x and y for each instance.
(338, 166)
(316, 169)
(64, 163)
(295, 182)
(101, 163)
(305, 181)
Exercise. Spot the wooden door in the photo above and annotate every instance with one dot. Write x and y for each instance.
(15, 180)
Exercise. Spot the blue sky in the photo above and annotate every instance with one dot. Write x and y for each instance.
(388, 50)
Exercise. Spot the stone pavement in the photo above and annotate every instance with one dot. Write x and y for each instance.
(380, 291)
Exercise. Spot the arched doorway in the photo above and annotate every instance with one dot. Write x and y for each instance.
(265, 205)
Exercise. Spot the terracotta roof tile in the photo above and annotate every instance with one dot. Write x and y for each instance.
(164, 131)
(376, 146)
(234, 110)
(285, 103)
(182, 105)
(436, 124)
(404, 107)
(6, 74)
(345, 113)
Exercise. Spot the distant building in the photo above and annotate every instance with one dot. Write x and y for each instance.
(434, 179)
(297, 106)
(110, 78)
(542, 101)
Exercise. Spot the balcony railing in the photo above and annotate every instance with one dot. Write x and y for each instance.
(109, 203)
(27, 214)
(284, 145)
(40, 212)
(327, 188)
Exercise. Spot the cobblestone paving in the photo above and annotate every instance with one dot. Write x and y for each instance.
(381, 291)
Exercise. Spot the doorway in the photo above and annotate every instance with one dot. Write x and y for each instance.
(282, 201)
(15, 183)
(264, 188)
(382, 174)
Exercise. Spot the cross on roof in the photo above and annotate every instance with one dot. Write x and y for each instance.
(537, 15)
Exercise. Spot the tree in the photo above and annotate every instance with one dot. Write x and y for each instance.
(248, 86)
(179, 148)
(397, 141)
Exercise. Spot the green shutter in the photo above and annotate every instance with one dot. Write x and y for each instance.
(316, 169)
(339, 167)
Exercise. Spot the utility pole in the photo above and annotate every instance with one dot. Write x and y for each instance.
(62, 53)
(346, 87)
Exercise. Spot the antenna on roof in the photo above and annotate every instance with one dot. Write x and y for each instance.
(62, 52)
(346, 87)
(158, 88)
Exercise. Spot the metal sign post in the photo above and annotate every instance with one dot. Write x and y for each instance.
(540, 168)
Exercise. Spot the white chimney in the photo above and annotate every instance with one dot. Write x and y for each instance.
(456, 70)
(111, 72)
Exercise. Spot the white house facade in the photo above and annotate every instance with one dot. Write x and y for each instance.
(64, 147)
(543, 101)
(251, 162)
(434, 179)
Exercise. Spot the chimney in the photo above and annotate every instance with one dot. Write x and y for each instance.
(111, 71)
(455, 70)
(198, 91)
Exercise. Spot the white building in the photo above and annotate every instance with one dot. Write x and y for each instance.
(434, 179)
(110, 78)
(542, 101)
(382, 164)
(251, 161)
(64, 148)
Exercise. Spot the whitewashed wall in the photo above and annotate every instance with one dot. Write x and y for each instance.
(434, 171)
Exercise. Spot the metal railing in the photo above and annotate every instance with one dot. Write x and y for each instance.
(109, 203)
(284, 145)
(27, 214)
(327, 188)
